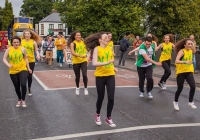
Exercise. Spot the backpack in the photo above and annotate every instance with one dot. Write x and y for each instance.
(122, 46)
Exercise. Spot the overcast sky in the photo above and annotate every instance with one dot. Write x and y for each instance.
(16, 5)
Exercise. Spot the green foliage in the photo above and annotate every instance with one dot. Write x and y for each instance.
(7, 15)
(90, 16)
(1, 17)
(174, 16)
(38, 9)
(50, 32)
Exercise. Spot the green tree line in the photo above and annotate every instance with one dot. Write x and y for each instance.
(160, 17)
(6, 15)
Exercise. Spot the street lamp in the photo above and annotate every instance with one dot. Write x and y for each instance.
(65, 20)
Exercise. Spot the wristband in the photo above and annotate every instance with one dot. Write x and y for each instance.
(184, 62)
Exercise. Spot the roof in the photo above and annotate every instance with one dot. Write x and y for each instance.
(53, 17)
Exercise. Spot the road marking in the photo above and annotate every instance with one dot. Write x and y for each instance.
(197, 88)
(57, 70)
(46, 88)
(40, 82)
(103, 132)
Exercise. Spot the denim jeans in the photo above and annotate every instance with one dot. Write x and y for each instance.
(60, 56)
(194, 62)
(122, 58)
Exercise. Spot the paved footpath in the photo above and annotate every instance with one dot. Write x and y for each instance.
(55, 112)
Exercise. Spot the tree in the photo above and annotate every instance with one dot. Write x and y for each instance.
(7, 15)
(38, 9)
(1, 17)
(178, 17)
(91, 16)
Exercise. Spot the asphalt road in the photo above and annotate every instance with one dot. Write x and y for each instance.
(60, 114)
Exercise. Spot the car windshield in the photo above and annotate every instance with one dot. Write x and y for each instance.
(19, 34)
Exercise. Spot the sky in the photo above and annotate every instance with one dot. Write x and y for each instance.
(16, 5)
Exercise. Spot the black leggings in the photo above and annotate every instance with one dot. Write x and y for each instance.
(30, 75)
(180, 82)
(109, 82)
(166, 66)
(83, 68)
(142, 73)
(19, 80)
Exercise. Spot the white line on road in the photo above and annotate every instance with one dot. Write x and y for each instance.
(95, 87)
(118, 131)
(40, 82)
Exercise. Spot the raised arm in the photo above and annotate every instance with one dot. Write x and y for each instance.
(136, 49)
(158, 47)
(194, 49)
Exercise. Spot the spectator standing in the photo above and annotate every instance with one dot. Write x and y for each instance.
(60, 44)
(136, 44)
(124, 45)
(48, 47)
(194, 56)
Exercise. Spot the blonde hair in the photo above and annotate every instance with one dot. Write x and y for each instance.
(34, 35)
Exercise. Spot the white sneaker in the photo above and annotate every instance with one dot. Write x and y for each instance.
(24, 104)
(175, 105)
(77, 91)
(19, 103)
(191, 104)
(164, 85)
(97, 119)
(110, 122)
(60, 64)
(141, 94)
(149, 95)
(160, 85)
(86, 91)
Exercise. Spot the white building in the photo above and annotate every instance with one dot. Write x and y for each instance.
(52, 22)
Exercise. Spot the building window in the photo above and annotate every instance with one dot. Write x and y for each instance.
(60, 26)
(42, 29)
(51, 26)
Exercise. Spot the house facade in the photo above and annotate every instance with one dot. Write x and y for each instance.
(52, 23)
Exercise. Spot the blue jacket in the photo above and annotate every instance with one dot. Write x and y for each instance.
(127, 42)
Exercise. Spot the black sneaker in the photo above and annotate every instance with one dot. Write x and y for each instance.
(160, 85)
(29, 92)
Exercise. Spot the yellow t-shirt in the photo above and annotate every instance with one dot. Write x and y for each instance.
(183, 68)
(80, 49)
(16, 59)
(29, 46)
(105, 55)
(166, 52)
(59, 43)
(111, 45)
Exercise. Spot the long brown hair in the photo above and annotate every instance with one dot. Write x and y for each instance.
(181, 44)
(92, 40)
(154, 38)
(34, 35)
(72, 37)
(171, 37)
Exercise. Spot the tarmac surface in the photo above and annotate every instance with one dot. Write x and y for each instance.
(56, 112)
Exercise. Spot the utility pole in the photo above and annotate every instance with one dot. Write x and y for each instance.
(65, 20)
